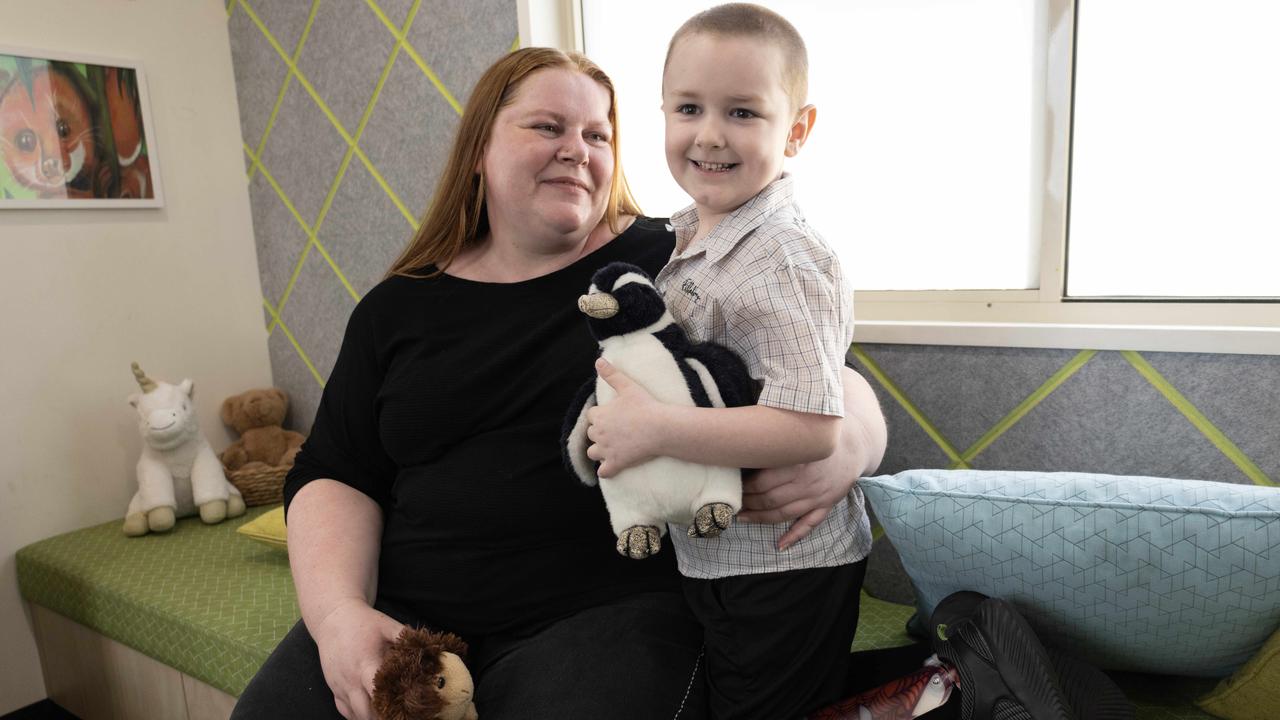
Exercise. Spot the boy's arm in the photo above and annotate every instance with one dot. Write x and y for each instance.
(804, 495)
(634, 427)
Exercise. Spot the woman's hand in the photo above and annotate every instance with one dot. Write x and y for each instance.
(806, 493)
(626, 431)
(352, 638)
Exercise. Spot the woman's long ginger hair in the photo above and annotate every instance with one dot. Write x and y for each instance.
(457, 217)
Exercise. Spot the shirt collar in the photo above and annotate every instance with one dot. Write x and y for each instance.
(734, 226)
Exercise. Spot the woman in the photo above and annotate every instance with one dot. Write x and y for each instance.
(431, 490)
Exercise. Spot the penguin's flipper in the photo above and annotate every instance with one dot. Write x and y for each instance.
(722, 369)
(573, 436)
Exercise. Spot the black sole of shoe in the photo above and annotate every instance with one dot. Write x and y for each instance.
(1005, 673)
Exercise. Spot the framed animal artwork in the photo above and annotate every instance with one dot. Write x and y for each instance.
(75, 131)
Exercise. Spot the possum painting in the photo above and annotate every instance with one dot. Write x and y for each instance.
(71, 131)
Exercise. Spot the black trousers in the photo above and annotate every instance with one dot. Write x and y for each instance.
(637, 658)
(777, 645)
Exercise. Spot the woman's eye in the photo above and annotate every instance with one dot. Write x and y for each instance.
(598, 137)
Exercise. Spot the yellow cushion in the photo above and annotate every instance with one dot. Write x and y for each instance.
(267, 528)
(1253, 692)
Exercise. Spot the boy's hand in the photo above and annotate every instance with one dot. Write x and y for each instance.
(626, 431)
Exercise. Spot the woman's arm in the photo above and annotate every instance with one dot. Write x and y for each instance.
(334, 533)
(806, 493)
(633, 427)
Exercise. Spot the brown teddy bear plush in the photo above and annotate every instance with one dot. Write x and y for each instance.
(423, 677)
(257, 415)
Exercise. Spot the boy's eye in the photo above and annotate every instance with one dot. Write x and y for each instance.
(687, 109)
(741, 114)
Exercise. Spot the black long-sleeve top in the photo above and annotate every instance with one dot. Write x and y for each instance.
(445, 406)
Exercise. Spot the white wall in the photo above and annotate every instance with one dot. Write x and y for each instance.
(84, 292)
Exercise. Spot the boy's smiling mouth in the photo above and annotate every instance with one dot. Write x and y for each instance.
(713, 167)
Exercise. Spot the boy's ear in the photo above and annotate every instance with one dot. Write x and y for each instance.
(800, 129)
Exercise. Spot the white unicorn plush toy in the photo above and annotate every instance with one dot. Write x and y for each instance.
(178, 473)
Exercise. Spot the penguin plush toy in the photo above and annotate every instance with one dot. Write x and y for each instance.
(630, 321)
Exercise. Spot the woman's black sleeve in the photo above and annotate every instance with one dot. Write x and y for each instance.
(344, 444)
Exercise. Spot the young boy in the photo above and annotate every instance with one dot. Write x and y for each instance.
(749, 273)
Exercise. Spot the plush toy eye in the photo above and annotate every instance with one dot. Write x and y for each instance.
(440, 682)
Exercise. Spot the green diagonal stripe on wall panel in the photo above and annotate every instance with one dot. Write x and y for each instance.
(1024, 407)
(333, 119)
(346, 162)
(284, 86)
(293, 280)
(402, 37)
(909, 406)
(1197, 418)
(275, 319)
(293, 68)
(279, 190)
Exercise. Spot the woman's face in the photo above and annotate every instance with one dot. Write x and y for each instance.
(549, 161)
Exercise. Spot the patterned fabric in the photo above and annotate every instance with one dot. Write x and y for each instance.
(1134, 573)
(201, 598)
(765, 285)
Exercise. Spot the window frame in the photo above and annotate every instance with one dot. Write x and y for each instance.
(1035, 318)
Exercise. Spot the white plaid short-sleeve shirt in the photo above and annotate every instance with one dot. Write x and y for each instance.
(764, 284)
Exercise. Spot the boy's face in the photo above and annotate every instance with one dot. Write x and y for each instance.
(729, 120)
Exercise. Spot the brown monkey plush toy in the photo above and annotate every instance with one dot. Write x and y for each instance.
(423, 677)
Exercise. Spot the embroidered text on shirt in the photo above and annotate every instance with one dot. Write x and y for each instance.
(691, 290)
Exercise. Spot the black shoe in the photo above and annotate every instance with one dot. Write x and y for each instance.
(1007, 674)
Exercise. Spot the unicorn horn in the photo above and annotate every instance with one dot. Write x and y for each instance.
(144, 382)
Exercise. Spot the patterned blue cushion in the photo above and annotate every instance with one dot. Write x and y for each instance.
(1132, 573)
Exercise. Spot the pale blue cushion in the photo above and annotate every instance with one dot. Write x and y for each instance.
(1132, 573)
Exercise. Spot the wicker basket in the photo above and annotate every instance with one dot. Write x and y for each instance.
(260, 484)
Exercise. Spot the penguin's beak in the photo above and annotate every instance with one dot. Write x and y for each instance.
(598, 305)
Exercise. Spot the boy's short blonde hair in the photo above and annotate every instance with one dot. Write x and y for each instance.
(753, 21)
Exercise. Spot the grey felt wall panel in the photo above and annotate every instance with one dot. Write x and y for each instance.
(964, 391)
(259, 72)
(304, 390)
(460, 40)
(316, 312)
(396, 10)
(1239, 394)
(409, 133)
(344, 56)
(303, 152)
(279, 237)
(363, 231)
(285, 19)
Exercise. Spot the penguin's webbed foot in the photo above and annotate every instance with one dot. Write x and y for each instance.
(639, 542)
(711, 520)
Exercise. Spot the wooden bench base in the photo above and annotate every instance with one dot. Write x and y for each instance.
(97, 678)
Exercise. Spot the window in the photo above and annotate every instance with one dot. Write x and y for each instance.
(1176, 160)
(943, 163)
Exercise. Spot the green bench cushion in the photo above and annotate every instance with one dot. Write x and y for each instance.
(201, 598)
